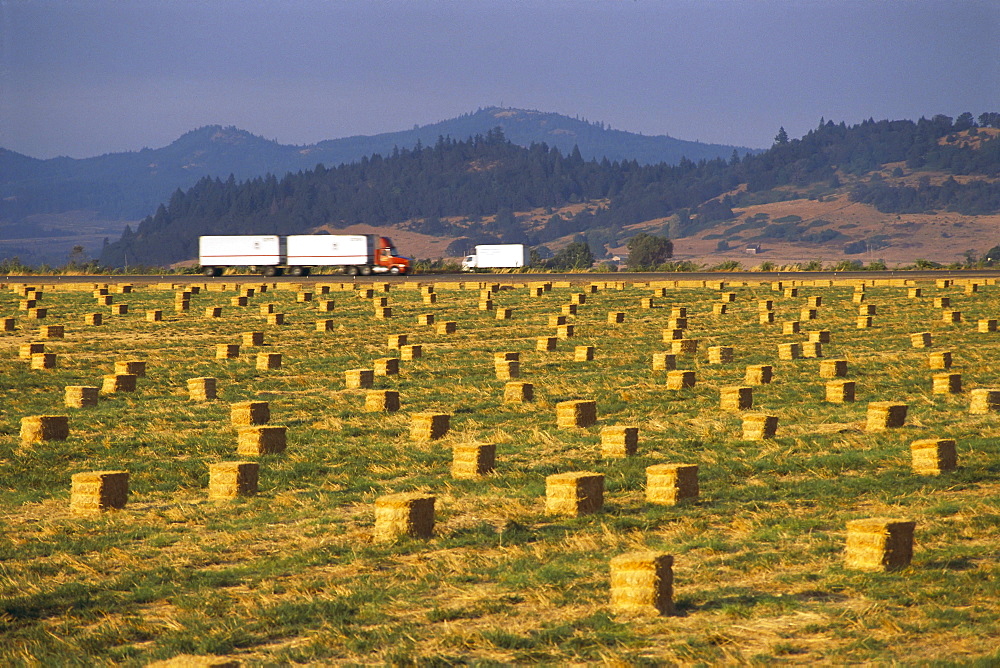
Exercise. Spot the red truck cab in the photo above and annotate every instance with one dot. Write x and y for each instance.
(385, 256)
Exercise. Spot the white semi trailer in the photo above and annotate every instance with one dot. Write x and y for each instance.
(298, 254)
(497, 256)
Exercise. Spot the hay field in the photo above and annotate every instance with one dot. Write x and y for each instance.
(298, 574)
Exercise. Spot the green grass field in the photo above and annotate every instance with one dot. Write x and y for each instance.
(293, 575)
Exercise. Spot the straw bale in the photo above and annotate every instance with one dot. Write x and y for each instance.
(411, 352)
(366, 293)
(118, 382)
(182, 306)
(504, 313)
(266, 361)
(720, 354)
(211, 311)
(430, 298)
(429, 426)
(670, 484)
(971, 288)
(136, 367)
(619, 441)
(237, 301)
(37, 313)
(398, 340)
(154, 315)
(677, 323)
(471, 460)
(266, 309)
(517, 392)
(276, 319)
(100, 292)
(814, 302)
(202, 389)
(840, 391)
(261, 440)
(791, 292)
(506, 356)
(41, 361)
(80, 396)
(684, 346)
(942, 302)
(884, 415)
(868, 309)
(227, 351)
(381, 401)
(536, 291)
(765, 305)
(568, 309)
(566, 331)
(758, 427)
(759, 374)
(379, 302)
(727, 297)
(52, 332)
(765, 318)
(879, 544)
(947, 383)
(984, 400)
(933, 456)
(485, 305)
(951, 316)
(647, 302)
(790, 327)
(324, 305)
(447, 327)
(836, 368)
(383, 312)
(789, 351)
(229, 480)
(247, 413)
(425, 319)
(808, 314)
(672, 334)
(819, 336)
(664, 361)
(678, 380)
(26, 350)
(557, 320)
(988, 325)
(325, 325)
(507, 369)
(943, 283)
(546, 344)
(858, 298)
(643, 583)
(864, 322)
(574, 494)
(408, 514)
(940, 360)
(356, 379)
(678, 312)
(7, 324)
(578, 298)
(914, 293)
(386, 366)
(583, 354)
(105, 300)
(920, 340)
(576, 413)
(735, 398)
(97, 491)
(303, 297)
(38, 428)
(812, 349)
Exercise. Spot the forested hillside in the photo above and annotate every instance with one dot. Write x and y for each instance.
(475, 188)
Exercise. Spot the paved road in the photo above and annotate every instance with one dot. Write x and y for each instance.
(573, 278)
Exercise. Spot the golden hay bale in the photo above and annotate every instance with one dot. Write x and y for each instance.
(266, 309)
(759, 374)
(253, 339)
(507, 356)
(229, 480)
(735, 398)
(425, 319)
(942, 302)
(951, 316)
(7, 324)
(429, 426)
(517, 393)
(118, 382)
(266, 361)
(381, 401)
(557, 320)
(840, 391)
(836, 368)
(684, 346)
(430, 298)
(578, 298)
(213, 311)
(246, 413)
(946, 383)
(814, 302)
(408, 514)
(789, 351)
(261, 440)
(471, 460)
(574, 494)
(238, 301)
(727, 297)
(759, 427)
(884, 415)
(276, 319)
(790, 327)
(583, 353)
(920, 340)
(134, 367)
(647, 302)
(940, 360)
(765, 305)
(808, 314)
(546, 344)
(677, 323)
(679, 379)
(643, 583)
(943, 283)
(383, 312)
(26, 350)
(868, 309)
(914, 293)
(864, 322)
(619, 441)
(41, 361)
(485, 305)
(397, 340)
(504, 313)
(984, 401)
(765, 318)
(80, 396)
(97, 491)
(616, 317)
(303, 297)
(227, 351)
(325, 305)
(386, 366)
(987, 325)
(325, 325)
(791, 292)
(38, 428)
(664, 361)
(672, 334)
(507, 369)
(819, 336)
(411, 352)
(52, 331)
(37, 313)
(202, 389)
(933, 456)
(355, 379)
(577, 413)
(154, 315)
(879, 544)
(568, 309)
(447, 327)
(678, 312)
(670, 484)
(720, 354)
(858, 298)
(105, 300)
(184, 305)
(812, 349)
(720, 309)
(566, 331)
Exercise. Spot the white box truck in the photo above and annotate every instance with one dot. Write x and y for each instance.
(497, 256)
(299, 253)
(263, 251)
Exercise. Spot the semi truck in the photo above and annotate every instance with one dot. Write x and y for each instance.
(299, 254)
(497, 256)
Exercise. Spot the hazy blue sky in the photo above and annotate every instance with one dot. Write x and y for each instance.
(85, 77)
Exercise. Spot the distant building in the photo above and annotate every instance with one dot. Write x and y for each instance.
(753, 249)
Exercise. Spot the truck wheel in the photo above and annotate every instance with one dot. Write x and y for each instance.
(270, 271)
(366, 271)
(296, 271)
(394, 270)
(208, 271)
(351, 271)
